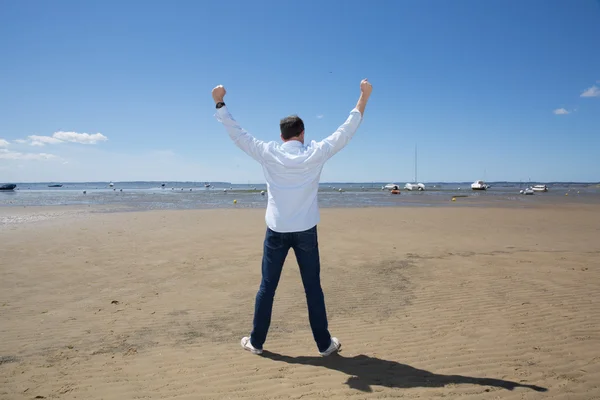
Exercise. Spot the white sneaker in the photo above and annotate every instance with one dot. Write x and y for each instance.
(248, 346)
(334, 347)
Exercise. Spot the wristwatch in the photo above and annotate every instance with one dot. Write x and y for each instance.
(220, 104)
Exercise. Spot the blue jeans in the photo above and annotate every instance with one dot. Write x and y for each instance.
(306, 248)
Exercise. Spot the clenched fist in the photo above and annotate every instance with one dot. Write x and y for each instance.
(365, 87)
(218, 93)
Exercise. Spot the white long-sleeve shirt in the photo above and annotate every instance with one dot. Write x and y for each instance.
(292, 170)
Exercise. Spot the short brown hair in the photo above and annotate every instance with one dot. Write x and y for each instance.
(291, 127)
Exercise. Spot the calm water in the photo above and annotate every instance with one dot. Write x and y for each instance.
(193, 195)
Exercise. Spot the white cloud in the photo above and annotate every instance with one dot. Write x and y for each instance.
(36, 140)
(3, 143)
(320, 116)
(561, 111)
(15, 155)
(83, 138)
(64, 137)
(593, 91)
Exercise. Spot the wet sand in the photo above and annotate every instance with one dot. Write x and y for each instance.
(470, 302)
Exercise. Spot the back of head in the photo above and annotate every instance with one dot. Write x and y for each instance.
(291, 127)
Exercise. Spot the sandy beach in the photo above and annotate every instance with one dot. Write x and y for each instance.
(429, 302)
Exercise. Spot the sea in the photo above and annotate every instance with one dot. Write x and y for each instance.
(137, 196)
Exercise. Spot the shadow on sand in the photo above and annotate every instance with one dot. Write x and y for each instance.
(366, 371)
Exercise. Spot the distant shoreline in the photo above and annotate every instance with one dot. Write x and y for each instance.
(321, 183)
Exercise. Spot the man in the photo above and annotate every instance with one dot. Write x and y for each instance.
(292, 171)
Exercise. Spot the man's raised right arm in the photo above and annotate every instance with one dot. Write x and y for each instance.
(249, 144)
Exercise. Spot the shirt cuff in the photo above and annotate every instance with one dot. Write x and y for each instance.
(221, 113)
(355, 111)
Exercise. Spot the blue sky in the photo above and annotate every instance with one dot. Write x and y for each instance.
(505, 89)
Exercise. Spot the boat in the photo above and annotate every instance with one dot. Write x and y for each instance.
(479, 185)
(207, 185)
(111, 184)
(56, 185)
(528, 191)
(540, 188)
(390, 186)
(415, 186)
(395, 189)
(8, 187)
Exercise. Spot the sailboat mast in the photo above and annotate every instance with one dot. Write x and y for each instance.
(416, 163)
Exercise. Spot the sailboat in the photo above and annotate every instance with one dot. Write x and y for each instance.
(415, 186)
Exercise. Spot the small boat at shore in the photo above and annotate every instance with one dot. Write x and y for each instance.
(540, 188)
(394, 189)
(528, 191)
(8, 187)
(414, 186)
(479, 185)
(56, 185)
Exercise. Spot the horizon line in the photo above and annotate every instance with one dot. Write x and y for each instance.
(321, 183)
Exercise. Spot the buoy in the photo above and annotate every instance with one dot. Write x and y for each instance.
(235, 202)
(566, 194)
(84, 192)
(454, 199)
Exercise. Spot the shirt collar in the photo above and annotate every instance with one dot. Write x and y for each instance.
(290, 144)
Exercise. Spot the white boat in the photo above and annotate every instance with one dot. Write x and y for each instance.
(390, 186)
(528, 190)
(111, 184)
(479, 185)
(540, 188)
(415, 186)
